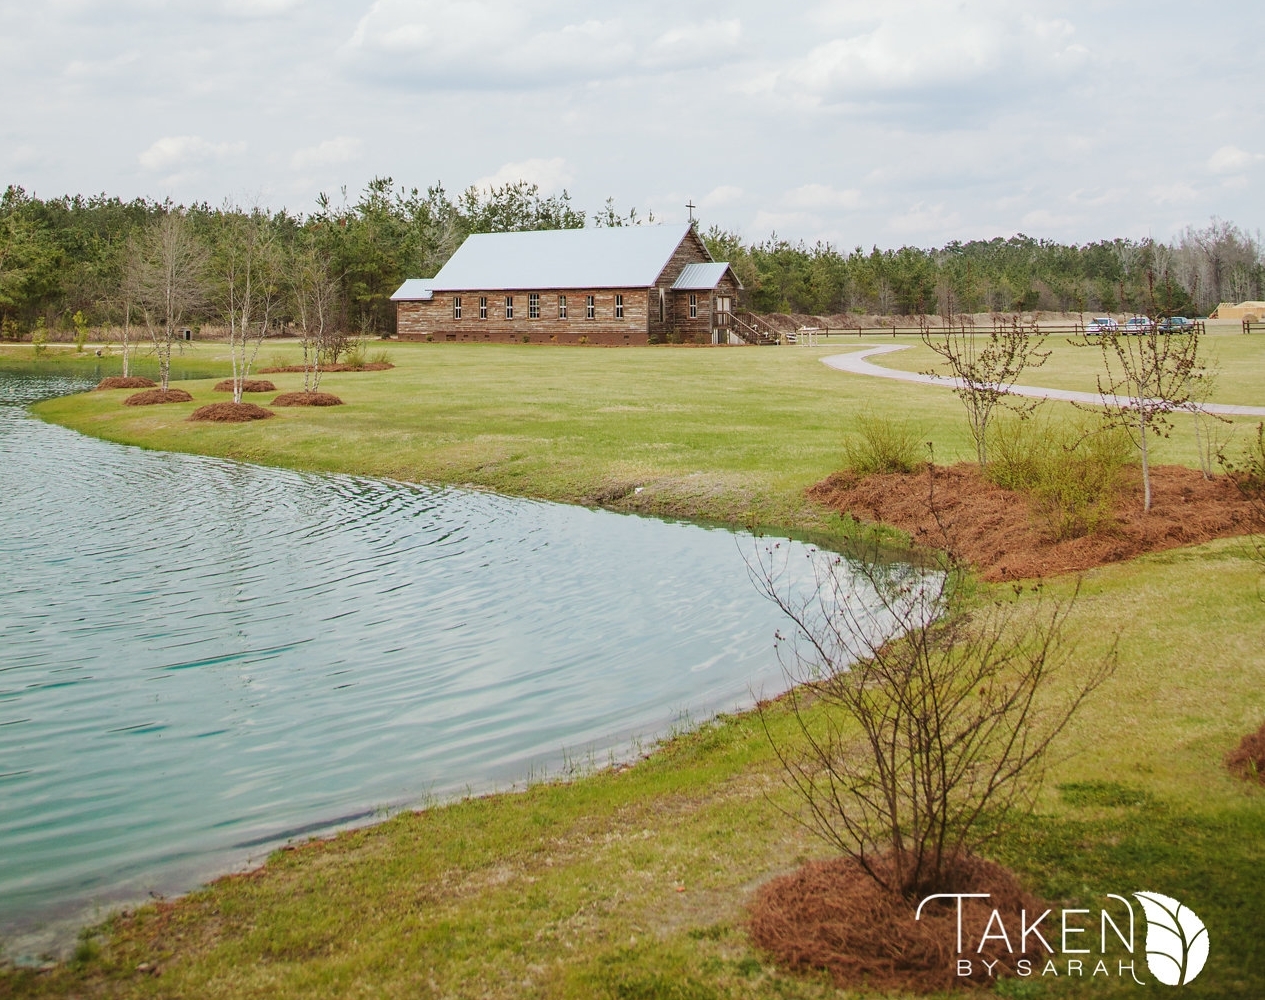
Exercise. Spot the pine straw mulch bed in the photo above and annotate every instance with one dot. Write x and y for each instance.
(231, 413)
(998, 532)
(1247, 760)
(831, 915)
(126, 382)
(307, 399)
(368, 366)
(249, 385)
(153, 396)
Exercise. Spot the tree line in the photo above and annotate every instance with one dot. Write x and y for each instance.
(68, 256)
(1188, 276)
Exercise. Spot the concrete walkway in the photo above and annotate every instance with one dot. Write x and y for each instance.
(857, 364)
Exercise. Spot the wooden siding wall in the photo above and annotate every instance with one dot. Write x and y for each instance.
(690, 251)
(433, 320)
(699, 330)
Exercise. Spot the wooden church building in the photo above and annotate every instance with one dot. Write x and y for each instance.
(615, 285)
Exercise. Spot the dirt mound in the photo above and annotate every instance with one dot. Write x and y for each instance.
(307, 399)
(368, 366)
(126, 382)
(249, 385)
(1247, 760)
(831, 915)
(997, 531)
(231, 413)
(152, 396)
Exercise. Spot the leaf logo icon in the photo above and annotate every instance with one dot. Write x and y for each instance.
(1176, 939)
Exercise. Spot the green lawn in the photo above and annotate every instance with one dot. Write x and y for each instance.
(732, 435)
(1238, 360)
(634, 884)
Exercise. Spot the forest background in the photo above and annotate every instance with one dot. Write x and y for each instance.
(66, 256)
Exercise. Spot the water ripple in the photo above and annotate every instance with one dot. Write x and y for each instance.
(198, 657)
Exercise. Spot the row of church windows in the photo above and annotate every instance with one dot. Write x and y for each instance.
(590, 306)
(533, 306)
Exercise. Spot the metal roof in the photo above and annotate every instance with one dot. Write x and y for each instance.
(607, 257)
(701, 277)
(415, 290)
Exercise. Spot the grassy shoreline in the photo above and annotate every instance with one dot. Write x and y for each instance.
(633, 882)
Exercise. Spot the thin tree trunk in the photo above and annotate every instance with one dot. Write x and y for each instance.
(127, 322)
(1146, 469)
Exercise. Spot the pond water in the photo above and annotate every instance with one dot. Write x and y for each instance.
(200, 659)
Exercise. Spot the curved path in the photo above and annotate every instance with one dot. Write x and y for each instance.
(857, 363)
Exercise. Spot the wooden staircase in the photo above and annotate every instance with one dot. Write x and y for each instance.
(752, 329)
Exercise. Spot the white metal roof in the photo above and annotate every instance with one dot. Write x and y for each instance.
(608, 257)
(415, 290)
(701, 277)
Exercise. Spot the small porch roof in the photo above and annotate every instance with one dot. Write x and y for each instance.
(703, 277)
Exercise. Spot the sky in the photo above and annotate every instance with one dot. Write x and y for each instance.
(859, 123)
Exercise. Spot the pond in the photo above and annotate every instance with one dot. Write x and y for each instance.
(200, 659)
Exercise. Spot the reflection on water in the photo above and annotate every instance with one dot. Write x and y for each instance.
(200, 658)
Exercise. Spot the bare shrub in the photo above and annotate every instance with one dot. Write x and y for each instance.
(923, 709)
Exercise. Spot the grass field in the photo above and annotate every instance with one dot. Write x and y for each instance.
(633, 884)
(1237, 360)
(730, 435)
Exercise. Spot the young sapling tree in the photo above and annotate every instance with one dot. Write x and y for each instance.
(1145, 378)
(922, 712)
(314, 294)
(985, 367)
(168, 271)
(248, 289)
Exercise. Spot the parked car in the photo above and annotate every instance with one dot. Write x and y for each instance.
(1102, 324)
(1139, 324)
(1176, 324)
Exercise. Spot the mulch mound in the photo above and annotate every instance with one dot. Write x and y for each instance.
(1247, 760)
(249, 385)
(368, 366)
(152, 396)
(231, 413)
(831, 915)
(997, 531)
(307, 399)
(126, 382)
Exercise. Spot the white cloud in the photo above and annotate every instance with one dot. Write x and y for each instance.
(784, 223)
(1176, 193)
(926, 221)
(693, 44)
(551, 175)
(918, 44)
(822, 197)
(186, 150)
(484, 43)
(1042, 220)
(258, 8)
(494, 44)
(726, 194)
(341, 149)
(1231, 159)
